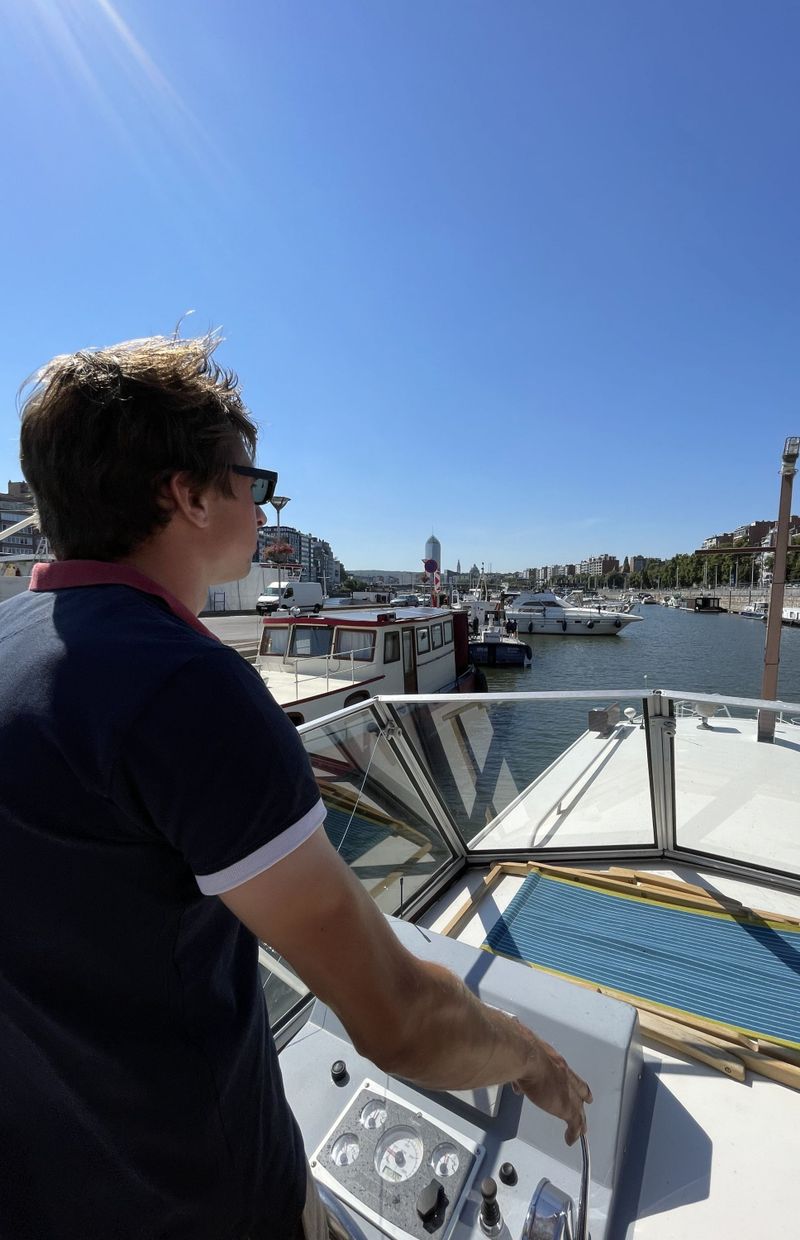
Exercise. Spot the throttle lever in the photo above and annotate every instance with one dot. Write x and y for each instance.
(551, 1212)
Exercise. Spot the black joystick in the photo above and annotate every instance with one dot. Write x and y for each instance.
(508, 1173)
(339, 1072)
(491, 1219)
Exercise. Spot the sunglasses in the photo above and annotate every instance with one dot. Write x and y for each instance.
(263, 484)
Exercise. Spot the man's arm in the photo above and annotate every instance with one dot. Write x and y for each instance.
(410, 1017)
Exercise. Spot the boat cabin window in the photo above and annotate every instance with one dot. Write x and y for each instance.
(436, 636)
(356, 643)
(448, 631)
(391, 647)
(274, 640)
(309, 640)
(423, 641)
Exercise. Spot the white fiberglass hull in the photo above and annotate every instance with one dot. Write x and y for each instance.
(570, 622)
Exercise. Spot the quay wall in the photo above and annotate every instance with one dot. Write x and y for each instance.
(733, 598)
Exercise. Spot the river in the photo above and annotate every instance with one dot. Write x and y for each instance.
(670, 649)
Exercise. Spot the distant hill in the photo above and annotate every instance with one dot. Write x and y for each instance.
(401, 574)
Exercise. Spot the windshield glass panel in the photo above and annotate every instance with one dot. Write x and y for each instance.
(309, 640)
(736, 796)
(274, 640)
(357, 643)
(376, 820)
(512, 777)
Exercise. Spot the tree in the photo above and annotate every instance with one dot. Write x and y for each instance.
(793, 560)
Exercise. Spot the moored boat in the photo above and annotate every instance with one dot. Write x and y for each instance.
(704, 605)
(757, 611)
(492, 647)
(317, 664)
(543, 612)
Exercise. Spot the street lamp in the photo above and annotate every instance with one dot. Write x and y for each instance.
(278, 502)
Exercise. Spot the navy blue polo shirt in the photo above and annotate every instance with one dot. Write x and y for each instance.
(144, 768)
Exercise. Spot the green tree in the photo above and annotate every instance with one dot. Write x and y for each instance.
(793, 560)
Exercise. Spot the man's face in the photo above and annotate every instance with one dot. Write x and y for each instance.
(235, 521)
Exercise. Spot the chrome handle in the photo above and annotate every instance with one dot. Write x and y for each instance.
(583, 1199)
(551, 1214)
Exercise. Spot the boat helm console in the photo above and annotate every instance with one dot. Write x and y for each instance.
(392, 1160)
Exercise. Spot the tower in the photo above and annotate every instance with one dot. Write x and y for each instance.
(433, 549)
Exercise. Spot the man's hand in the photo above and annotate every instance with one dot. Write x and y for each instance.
(554, 1087)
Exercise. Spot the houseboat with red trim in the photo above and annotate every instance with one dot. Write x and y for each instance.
(314, 665)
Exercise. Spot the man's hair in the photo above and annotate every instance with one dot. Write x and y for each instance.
(104, 429)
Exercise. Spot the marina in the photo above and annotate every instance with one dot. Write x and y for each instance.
(512, 296)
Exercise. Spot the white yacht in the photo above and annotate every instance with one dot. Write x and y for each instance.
(544, 612)
(635, 899)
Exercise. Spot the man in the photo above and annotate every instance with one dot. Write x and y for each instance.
(158, 816)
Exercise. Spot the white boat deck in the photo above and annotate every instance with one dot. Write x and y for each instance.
(288, 686)
(716, 1159)
(720, 1160)
(734, 796)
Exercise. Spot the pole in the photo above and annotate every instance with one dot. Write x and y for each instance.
(278, 502)
(772, 645)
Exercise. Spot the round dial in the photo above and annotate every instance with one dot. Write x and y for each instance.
(345, 1149)
(373, 1114)
(444, 1159)
(399, 1154)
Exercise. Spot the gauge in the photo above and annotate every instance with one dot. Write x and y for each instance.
(373, 1115)
(399, 1154)
(444, 1159)
(345, 1149)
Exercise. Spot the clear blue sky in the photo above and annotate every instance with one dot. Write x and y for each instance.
(526, 274)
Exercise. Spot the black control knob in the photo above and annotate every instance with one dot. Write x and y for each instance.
(508, 1173)
(431, 1205)
(339, 1072)
(491, 1220)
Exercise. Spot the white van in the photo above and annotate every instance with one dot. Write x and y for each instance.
(305, 595)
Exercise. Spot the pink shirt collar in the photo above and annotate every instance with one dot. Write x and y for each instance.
(69, 574)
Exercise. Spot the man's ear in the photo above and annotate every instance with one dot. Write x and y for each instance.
(187, 500)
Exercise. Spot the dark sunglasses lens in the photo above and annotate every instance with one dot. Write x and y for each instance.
(261, 490)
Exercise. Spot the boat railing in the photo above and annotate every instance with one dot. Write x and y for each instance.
(345, 666)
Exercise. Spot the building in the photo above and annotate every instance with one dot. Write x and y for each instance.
(15, 505)
(752, 535)
(637, 563)
(717, 540)
(433, 550)
(312, 555)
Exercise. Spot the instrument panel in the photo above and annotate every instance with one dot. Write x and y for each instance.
(407, 1163)
(396, 1164)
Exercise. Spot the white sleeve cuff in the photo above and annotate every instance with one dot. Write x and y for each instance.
(265, 856)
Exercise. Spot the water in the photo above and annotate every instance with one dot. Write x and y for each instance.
(673, 649)
(670, 649)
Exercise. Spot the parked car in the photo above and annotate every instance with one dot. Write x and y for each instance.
(405, 600)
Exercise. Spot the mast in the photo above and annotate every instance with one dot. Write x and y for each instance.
(772, 645)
